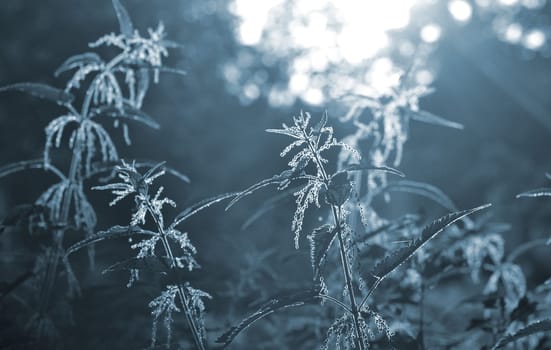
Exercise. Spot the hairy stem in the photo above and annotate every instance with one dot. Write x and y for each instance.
(344, 259)
(181, 293)
(348, 280)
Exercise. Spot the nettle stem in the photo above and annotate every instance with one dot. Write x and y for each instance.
(336, 210)
(59, 232)
(74, 179)
(181, 293)
(348, 279)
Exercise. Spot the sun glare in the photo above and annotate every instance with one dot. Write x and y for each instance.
(358, 32)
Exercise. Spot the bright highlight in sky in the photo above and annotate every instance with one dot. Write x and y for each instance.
(513, 33)
(461, 10)
(431, 33)
(534, 39)
(319, 34)
(314, 24)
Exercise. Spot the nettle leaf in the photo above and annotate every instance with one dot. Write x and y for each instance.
(292, 298)
(338, 189)
(44, 91)
(540, 192)
(126, 112)
(150, 263)
(320, 241)
(193, 209)
(145, 68)
(79, 61)
(536, 327)
(360, 167)
(113, 232)
(427, 117)
(399, 256)
(422, 189)
(172, 71)
(126, 26)
(276, 179)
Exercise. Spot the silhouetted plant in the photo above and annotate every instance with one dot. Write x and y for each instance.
(163, 249)
(110, 89)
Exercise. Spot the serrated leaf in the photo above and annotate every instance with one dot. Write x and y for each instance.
(427, 117)
(422, 189)
(113, 232)
(194, 208)
(360, 167)
(150, 263)
(539, 192)
(290, 299)
(320, 241)
(338, 189)
(536, 327)
(126, 112)
(276, 179)
(399, 256)
(44, 91)
(125, 23)
(78, 61)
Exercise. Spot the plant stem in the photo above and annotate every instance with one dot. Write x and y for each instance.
(53, 261)
(348, 279)
(422, 315)
(181, 293)
(74, 179)
(344, 259)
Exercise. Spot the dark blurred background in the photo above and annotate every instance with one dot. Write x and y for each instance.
(498, 91)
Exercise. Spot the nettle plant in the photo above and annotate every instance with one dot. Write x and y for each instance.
(381, 127)
(315, 182)
(98, 90)
(163, 249)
